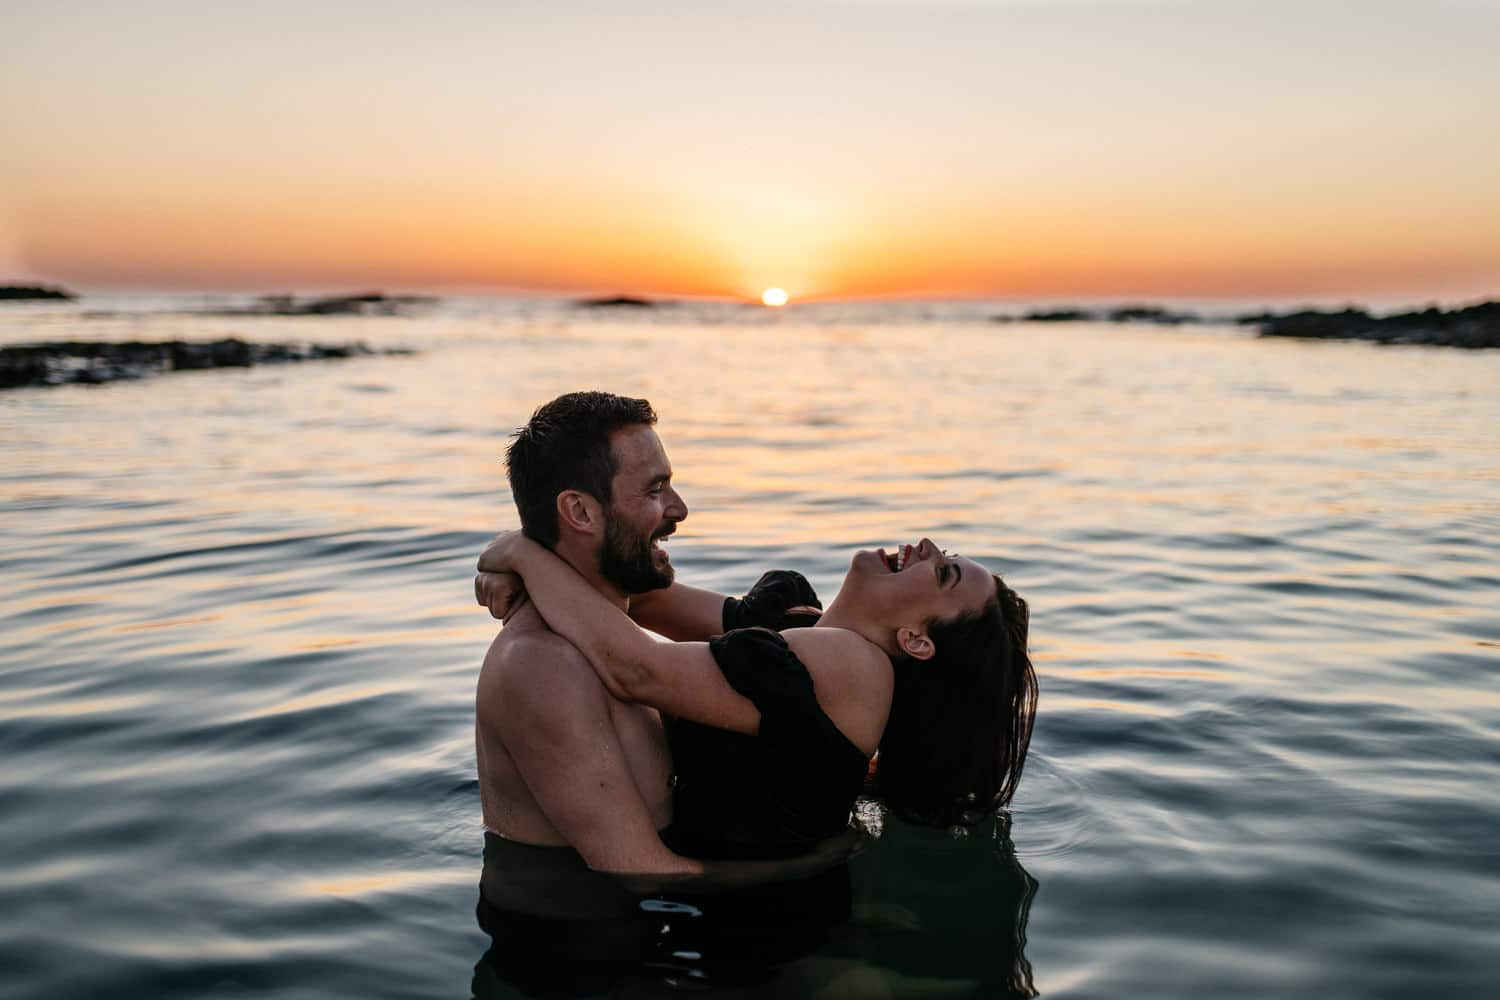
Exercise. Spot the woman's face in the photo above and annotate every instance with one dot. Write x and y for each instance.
(917, 584)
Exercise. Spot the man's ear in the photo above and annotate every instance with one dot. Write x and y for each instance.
(580, 512)
(915, 643)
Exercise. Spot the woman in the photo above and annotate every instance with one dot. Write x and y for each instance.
(921, 655)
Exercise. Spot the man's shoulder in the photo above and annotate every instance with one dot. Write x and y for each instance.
(520, 647)
(531, 664)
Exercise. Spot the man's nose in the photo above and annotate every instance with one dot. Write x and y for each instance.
(677, 509)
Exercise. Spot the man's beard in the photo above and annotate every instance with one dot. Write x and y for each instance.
(625, 560)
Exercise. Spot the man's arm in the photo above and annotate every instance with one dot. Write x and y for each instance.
(680, 612)
(559, 734)
(781, 598)
(719, 876)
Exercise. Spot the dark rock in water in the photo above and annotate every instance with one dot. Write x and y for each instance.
(1473, 326)
(31, 293)
(1254, 319)
(372, 304)
(367, 304)
(1121, 314)
(1149, 314)
(1059, 316)
(218, 354)
(616, 302)
(93, 363)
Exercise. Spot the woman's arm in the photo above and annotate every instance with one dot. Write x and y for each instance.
(781, 598)
(678, 678)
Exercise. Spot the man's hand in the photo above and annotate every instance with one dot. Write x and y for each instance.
(503, 593)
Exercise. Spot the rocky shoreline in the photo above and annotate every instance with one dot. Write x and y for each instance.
(96, 363)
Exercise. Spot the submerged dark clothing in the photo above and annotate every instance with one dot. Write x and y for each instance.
(774, 794)
(558, 929)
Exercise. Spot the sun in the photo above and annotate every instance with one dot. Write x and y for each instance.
(774, 297)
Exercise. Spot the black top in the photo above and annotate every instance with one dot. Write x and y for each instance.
(774, 794)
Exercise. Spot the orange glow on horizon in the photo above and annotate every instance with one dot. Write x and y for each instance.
(994, 150)
(583, 238)
(585, 248)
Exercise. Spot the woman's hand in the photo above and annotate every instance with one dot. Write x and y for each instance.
(501, 555)
(781, 598)
(498, 584)
(503, 593)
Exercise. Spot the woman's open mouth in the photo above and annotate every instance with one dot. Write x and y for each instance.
(896, 561)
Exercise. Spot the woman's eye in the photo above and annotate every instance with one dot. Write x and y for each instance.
(942, 574)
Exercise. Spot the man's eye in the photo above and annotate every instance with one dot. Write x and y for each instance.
(942, 574)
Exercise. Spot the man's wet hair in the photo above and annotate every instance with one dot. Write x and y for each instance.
(566, 446)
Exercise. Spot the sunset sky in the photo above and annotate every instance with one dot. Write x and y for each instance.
(863, 148)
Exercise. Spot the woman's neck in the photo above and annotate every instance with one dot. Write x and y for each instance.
(851, 620)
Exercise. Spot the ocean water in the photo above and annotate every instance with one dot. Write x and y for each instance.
(239, 648)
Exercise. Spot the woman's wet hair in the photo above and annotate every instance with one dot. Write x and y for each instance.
(960, 723)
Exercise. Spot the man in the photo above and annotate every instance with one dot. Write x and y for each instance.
(561, 762)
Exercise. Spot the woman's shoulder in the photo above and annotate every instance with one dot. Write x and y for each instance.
(853, 680)
(839, 643)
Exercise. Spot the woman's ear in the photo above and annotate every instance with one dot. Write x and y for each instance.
(580, 512)
(915, 643)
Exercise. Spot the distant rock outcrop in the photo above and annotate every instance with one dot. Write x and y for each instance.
(65, 362)
(1150, 314)
(1120, 314)
(1473, 326)
(365, 304)
(32, 293)
(616, 302)
(1058, 316)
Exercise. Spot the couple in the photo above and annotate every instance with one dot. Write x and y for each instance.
(921, 656)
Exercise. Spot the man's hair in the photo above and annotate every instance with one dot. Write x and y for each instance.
(566, 446)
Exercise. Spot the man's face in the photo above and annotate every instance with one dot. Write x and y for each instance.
(644, 508)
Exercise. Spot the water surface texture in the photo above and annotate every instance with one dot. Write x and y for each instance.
(239, 654)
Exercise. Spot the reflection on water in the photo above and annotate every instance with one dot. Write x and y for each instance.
(237, 669)
(922, 913)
